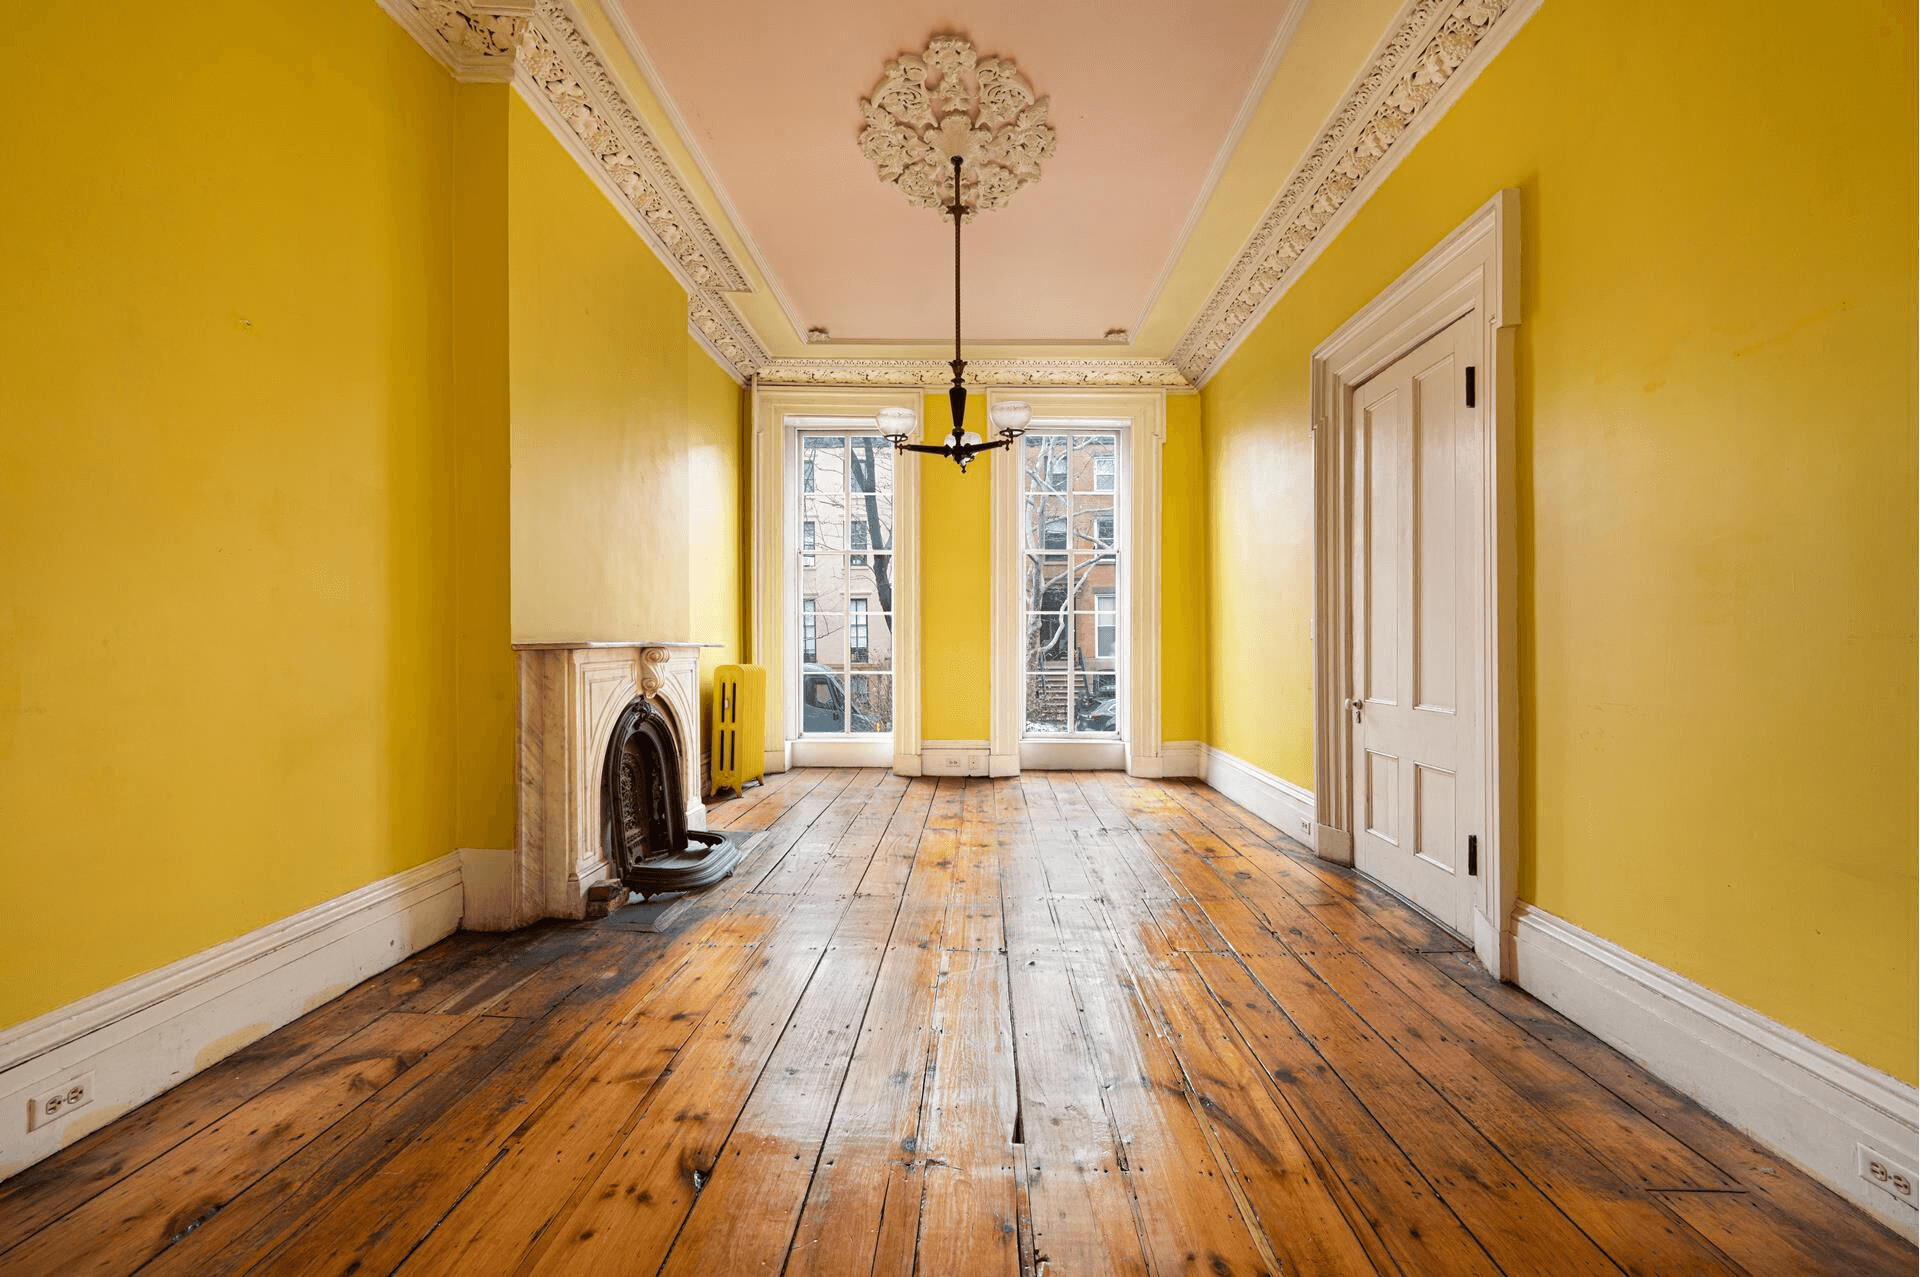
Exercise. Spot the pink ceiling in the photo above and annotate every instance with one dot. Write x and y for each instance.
(1143, 95)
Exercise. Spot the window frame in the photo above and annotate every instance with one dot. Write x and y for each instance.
(1141, 416)
(774, 628)
(1058, 618)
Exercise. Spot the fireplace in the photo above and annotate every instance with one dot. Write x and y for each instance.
(643, 822)
(574, 697)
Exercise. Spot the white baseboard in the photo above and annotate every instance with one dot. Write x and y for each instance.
(489, 880)
(1183, 758)
(144, 1035)
(1280, 803)
(816, 751)
(953, 757)
(906, 763)
(1081, 756)
(1801, 1098)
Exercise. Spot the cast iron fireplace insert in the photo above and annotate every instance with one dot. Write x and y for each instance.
(643, 818)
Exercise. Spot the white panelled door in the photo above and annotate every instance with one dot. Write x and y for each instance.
(1419, 582)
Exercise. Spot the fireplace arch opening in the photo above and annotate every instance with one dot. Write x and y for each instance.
(643, 815)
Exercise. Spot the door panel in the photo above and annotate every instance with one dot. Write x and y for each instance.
(1383, 793)
(1417, 595)
(1434, 820)
(1435, 510)
(1379, 666)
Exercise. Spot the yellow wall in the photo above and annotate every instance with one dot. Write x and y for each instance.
(1183, 574)
(716, 550)
(956, 584)
(486, 677)
(226, 478)
(1716, 489)
(602, 520)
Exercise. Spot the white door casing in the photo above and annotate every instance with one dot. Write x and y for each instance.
(1474, 272)
(1416, 593)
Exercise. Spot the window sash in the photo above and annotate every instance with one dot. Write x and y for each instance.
(1070, 622)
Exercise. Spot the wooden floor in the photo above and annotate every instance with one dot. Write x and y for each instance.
(1070, 1023)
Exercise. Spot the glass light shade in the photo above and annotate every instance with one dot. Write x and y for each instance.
(970, 440)
(1011, 414)
(896, 421)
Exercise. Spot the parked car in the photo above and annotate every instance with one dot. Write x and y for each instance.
(1103, 717)
(823, 703)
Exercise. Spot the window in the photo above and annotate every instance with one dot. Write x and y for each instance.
(1068, 485)
(843, 536)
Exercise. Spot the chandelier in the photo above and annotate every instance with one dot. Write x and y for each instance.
(1010, 418)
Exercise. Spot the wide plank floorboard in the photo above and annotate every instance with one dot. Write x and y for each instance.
(1074, 1022)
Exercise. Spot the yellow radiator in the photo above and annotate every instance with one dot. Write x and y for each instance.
(739, 726)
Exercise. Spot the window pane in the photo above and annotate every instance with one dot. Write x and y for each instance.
(830, 639)
(872, 579)
(1046, 642)
(1044, 461)
(872, 466)
(826, 581)
(827, 513)
(1045, 586)
(1045, 523)
(1093, 463)
(823, 463)
(1092, 576)
(1046, 704)
(1093, 521)
(877, 652)
(822, 702)
(1095, 707)
(870, 702)
(1088, 637)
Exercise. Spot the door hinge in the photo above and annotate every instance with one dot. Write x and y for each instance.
(1470, 371)
(1473, 855)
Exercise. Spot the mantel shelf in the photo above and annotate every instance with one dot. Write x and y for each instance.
(563, 646)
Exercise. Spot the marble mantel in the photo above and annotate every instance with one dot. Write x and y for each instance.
(570, 695)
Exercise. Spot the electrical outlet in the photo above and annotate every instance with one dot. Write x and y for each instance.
(55, 1102)
(1887, 1174)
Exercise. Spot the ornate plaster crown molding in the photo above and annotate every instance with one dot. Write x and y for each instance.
(541, 48)
(981, 373)
(949, 101)
(1387, 110)
(477, 42)
(718, 326)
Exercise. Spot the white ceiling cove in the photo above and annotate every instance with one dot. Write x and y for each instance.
(1144, 96)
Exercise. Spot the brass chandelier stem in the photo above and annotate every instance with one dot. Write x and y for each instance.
(957, 396)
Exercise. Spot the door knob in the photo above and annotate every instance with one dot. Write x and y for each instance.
(1357, 705)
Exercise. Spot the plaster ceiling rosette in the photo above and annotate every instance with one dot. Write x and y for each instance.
(948, 101)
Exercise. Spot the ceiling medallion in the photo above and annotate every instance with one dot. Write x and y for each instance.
(948, 102)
